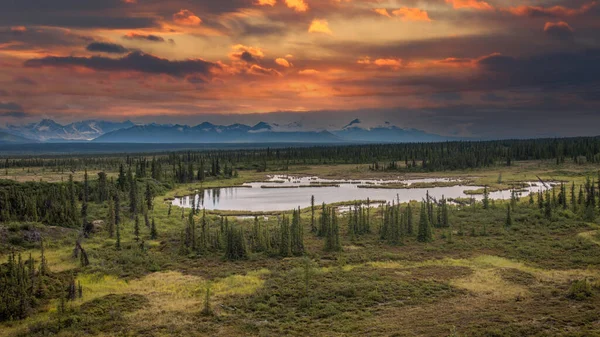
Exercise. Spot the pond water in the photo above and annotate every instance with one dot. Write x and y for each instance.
(285, 193)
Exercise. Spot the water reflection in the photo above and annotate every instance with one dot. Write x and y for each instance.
(285, 193)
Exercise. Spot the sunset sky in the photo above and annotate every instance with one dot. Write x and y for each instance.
(454, 67)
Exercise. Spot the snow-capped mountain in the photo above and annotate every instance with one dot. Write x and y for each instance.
(385, 132)
(48, 130)
(305, 131)
(211, 133)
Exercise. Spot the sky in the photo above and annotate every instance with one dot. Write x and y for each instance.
(494, 68)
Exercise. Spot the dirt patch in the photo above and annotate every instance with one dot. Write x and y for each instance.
(440, 272)
(517, 276)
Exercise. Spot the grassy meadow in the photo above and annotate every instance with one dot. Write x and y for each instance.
(538, 277)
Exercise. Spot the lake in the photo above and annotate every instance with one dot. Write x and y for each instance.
(283, 193)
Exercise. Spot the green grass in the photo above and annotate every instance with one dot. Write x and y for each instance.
(487, 281)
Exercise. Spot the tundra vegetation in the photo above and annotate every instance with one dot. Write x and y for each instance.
(91, 245)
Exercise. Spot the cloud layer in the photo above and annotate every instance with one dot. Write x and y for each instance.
(455, 59)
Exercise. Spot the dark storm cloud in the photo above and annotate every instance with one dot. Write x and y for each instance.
(246, 56)
(43, 37)
(10, 106)
(261, 29)
(144, 37)
(105, 47)
(24, 80)
(136, 61)
(471, 46)
(492, 97)
(446, 96)
(15, 114)
(73, 14)
(566, 70)
(575, 73)
(78, 20)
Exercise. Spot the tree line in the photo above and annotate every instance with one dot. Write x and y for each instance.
(189, 166)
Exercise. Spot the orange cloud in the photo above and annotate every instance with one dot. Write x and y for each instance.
(20, 29)
(364, 60)
(412, 14)
(382, 11)
(266, 2)
(561, 24)
(320, 26)
(551, 11)
(258, 70)
(474, 4)
(283, 62)
(308, 72)
(453, 62)
(392, 63)
(187, 18)
(297, 5)
(130, 1)
(289, 56)
(246, 53)
(559, 29)
(389, 62)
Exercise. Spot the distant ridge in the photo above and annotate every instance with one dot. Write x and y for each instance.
(100, 131)
(7, 138)
(209, 133)
(48, 130)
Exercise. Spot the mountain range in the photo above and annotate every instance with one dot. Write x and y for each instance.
(48, 130)
(100, 131)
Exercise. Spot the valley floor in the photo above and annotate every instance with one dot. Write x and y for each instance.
(538, 277)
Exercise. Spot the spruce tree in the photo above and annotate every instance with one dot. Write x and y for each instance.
(136, 228)
(153, 232)
(324, 223)
(368, 218)
(548, 206)
(72, 197)
(203, 232)
(235, 248)
(486, 198)
(424, 234)
(122, 180)
(258, 236)
(44, 270)
(508, 223)
(531, 201)
(445, 214)
(192, 226)
(133, 203)
(206, 311)
(110, 218)
(409, 219)
(573, 198)
(117, 208)
(332, 239)
(84, 205)
(297, 234)
(285, 248)
(149, 197)
(313, 227)
(118, 230)
(513, 198)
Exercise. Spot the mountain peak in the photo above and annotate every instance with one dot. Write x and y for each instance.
(262, 126)
(353, 123)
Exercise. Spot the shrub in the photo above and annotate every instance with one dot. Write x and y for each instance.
(580, 290)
